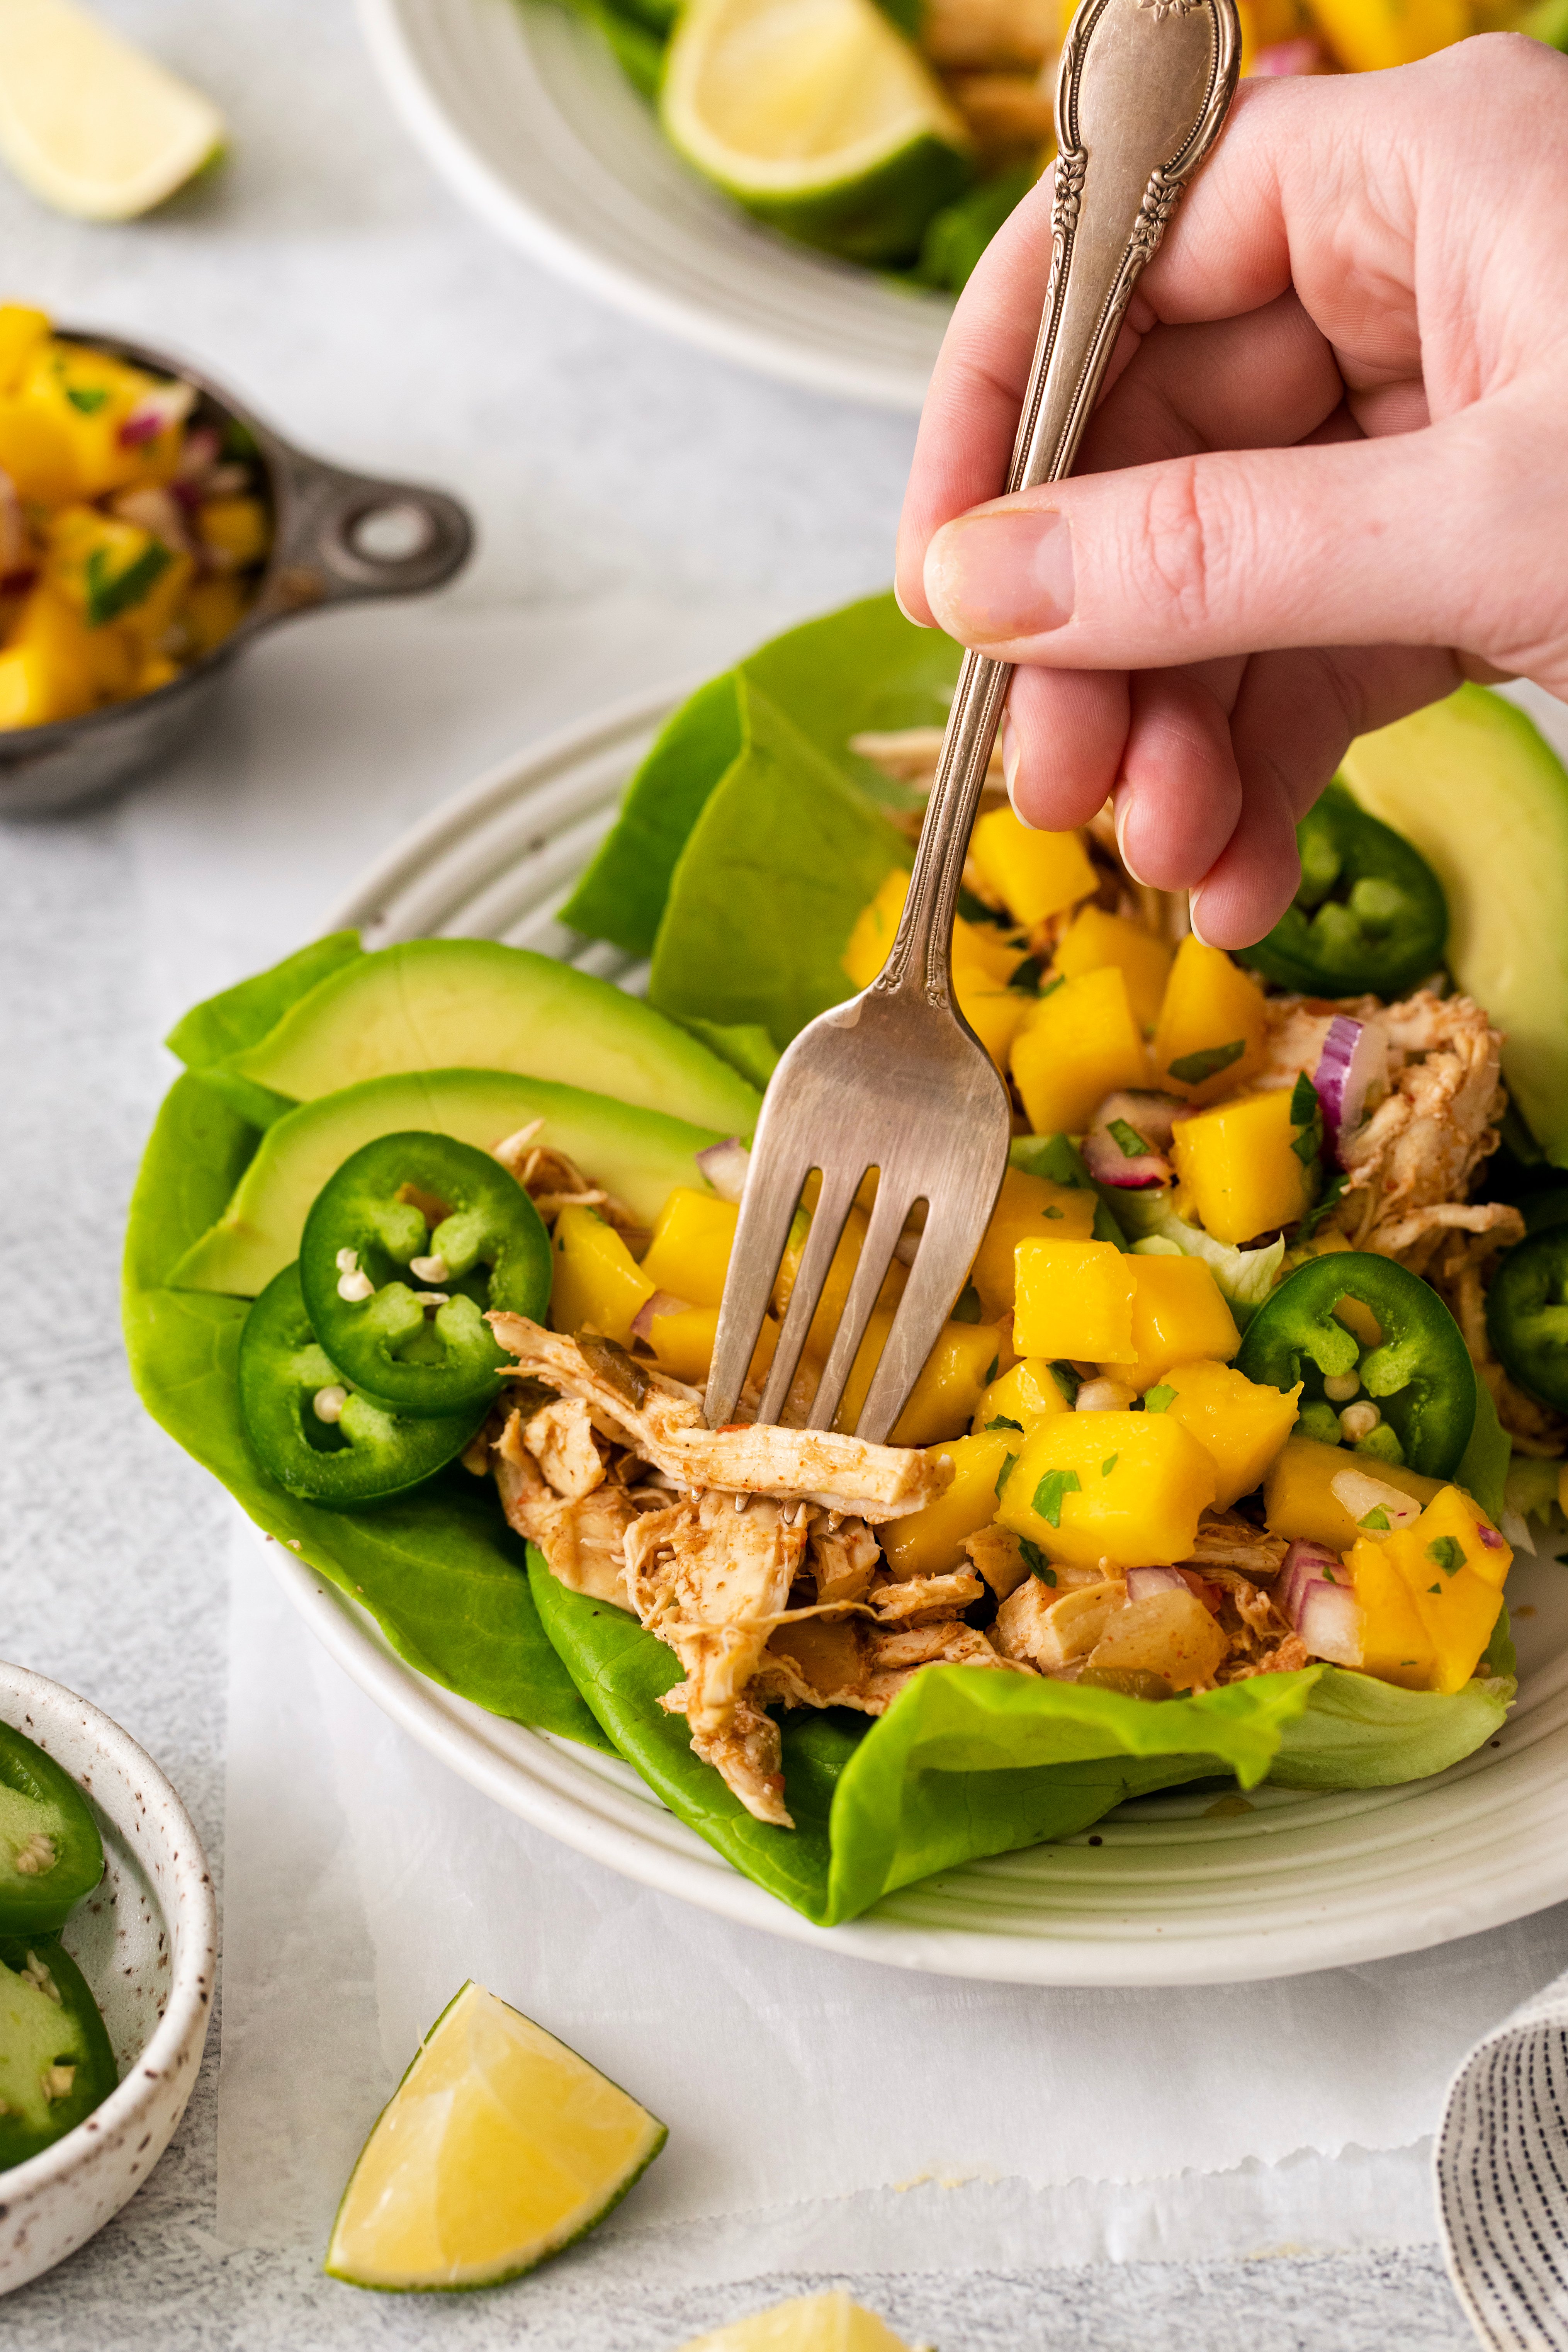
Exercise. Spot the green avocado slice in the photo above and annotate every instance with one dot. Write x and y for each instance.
(1473, 787)
(450, 1004)
(640, 1156)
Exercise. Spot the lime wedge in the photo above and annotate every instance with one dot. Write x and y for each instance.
(91, 124)
(819, 117)
(499, 2147)
(814, 2323)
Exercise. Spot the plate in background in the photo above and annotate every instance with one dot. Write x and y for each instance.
(522, 108)
(1175, 1889)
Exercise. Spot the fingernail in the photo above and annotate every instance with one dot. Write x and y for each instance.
(1010, 760)
(991, 576)
(1123, 808)
(1194, 901)
(905, 612)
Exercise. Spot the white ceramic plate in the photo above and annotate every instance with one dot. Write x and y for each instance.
(521, 107)
(1173, 1890)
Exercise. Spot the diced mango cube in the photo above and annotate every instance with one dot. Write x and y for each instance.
(996, 1015)
(951, 1380)
(69, 667)
(1298, 1499)
(1074, 1298)
(1451, 1532)
(21, 333)
(598, 1283)
(987, 947)
(1094, 939)
(237, 530)
(213, 608)
(690, 1252)
(1033, 874)
(683, 1342)
(840, 1275)
(1212, 1027)
(108, 571)
(1237, 1166)
(1124, 1486)
(1078, 1044)
(1452, 1583)
(1395, 1644)
(1178, 1312)
(1027, 1207)
(1029, 1392)
(1366, 36)
(1240, 1423)
(874, 928)
(36, 451)
(930, 1542)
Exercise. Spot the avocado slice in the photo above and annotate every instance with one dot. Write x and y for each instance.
(450, 1004)
(638, 1155)
(1471, 784)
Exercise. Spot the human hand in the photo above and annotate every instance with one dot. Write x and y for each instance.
(1328, 478)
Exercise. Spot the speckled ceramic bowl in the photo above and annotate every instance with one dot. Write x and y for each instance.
(146, 1941)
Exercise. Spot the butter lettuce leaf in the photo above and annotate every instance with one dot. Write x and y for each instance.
(1362, 1734)
(1245, 1278)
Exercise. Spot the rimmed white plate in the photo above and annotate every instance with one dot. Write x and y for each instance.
(1173, 1890)
(521, 107)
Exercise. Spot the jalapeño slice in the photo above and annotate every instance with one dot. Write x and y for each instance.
(317, 1437)
(50, 1852)
(405, 1251)
(56, 2062)
(1369, 915)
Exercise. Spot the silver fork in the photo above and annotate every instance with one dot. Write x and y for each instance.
(895, 1080)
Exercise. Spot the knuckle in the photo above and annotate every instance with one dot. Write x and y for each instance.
(1194, 540)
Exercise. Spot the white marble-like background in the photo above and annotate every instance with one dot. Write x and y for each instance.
(630, 495)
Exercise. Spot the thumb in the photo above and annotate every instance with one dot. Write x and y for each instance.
(1437, 537)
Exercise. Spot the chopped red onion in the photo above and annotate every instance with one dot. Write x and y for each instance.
(1142, 1582)
(1489, 1537)
(1354, 1054)
(725, 1165)
(1304, 1563)
(663, 1302)
(1328, 1623)
(1124, 1121)
(158, 410)
(155, 510)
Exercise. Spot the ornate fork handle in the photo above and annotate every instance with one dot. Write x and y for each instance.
(1141, 93)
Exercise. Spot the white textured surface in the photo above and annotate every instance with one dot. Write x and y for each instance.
(327, 273)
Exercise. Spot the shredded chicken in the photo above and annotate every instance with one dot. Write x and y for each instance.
(561, 1439)
(554, 1182)
(918, 1600)
(842, 1555)
(1225, 1540)
(998, 1557)
(583, 1541)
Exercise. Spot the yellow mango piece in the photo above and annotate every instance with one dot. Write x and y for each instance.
(1094, 939)
(1178, 1312)
(1395, 1644)
(104, 568)
(874, 928)
(239, 529)
(1240, 1423)
(21, 333)
(155, 671)
(1453, 1533)
(1033, 874)
(983, 960)
(1074, 1298)
(1297, 1498)
(987, 947)
(1238, 1169)
(840, 1275)
(1457, 1611)
(36, 450)
(690, 1252)
(88, 395)
(76, 666)
(213, 608)
(943, 1402)
(598, 1283)
(1169, 1633)
(1367, 34)
(930, 1542)
(683, 1343)
(1027, 1207)
(1212, 1029)
(1029, 1392)
(996, 1015)
(1124, 1486)
(1078, 1044)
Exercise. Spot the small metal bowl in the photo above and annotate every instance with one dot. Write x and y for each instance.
(337, 538)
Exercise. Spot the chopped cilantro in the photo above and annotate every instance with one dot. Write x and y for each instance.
(1066, 1380)
(1434, 1588)
(1002, 1422)
(1034, 1560)
(1307, 1117)
(1193, 1068)
(1376, 1519)
(1127, 1139)
(1054, 1212)
(1315, 1215)
(1047, 1576)
(1448, 1553)
(1026, 976)
(1048, 1493)
(1159, 1400)
(968, 1307)
(1003, 1474)
(109, 593)
(239, 440)
(991, 1370)
(87, 399)
(1109, 1465)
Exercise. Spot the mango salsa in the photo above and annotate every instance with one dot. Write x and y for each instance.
(690, 1252)
(1211, 1030)
(1298, 1499)
(1033, 874)
(944, 1399)
(1078, 1043)
(1124, 1486)
(598, 1284)
(1239, 1169)
(930, 1542)
(1027, 1207)
(1074, 1299)
(1094, 939)
(1029, 1393)
(1240, 1424)
(1178, 1312)
(1429, 1595)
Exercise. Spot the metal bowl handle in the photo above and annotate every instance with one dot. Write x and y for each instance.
(343, 536)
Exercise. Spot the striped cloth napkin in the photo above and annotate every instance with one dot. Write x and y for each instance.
(1502, 2179)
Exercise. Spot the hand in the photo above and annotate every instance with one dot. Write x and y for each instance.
(1333, 452)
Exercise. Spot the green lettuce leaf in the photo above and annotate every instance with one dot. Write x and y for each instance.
(241, 1017)
(1483, 1465)
(440, 1571)
(1362, 1734)
(1058, 1158)
(1245, 1278)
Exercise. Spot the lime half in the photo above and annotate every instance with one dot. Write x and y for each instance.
(91, 124)
(814, 2323)
(819, 117)
(497, 2149)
